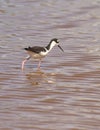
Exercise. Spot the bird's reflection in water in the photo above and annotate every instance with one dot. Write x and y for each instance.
(39, 77)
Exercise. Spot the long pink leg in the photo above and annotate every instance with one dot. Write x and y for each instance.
(39, 64)
(23, 62)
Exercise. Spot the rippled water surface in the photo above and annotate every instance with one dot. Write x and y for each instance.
(65, 93)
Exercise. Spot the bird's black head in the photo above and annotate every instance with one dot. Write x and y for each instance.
(55, 40)
(52, 43)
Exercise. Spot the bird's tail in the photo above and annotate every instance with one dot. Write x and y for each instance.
(27, 49)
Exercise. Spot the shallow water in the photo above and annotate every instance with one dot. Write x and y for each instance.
(65, 93)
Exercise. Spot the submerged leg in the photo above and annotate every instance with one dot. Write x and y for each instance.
(23, 62)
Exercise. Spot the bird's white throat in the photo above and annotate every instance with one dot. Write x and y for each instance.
(53, 43)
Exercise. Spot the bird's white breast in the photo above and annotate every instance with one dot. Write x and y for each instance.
(44, 53)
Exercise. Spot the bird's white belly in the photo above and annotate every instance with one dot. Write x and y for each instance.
(37, 55)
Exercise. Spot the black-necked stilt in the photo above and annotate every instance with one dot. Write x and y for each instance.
(38, 52)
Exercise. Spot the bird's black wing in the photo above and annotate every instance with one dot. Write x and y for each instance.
(35, 49)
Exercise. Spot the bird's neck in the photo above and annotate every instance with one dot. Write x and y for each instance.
(50, 46)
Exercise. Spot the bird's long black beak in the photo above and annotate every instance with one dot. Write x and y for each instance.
(60, 47)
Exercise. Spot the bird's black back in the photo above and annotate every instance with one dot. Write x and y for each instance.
(35, 49)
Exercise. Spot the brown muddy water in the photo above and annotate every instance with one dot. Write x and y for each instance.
(65, 94)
